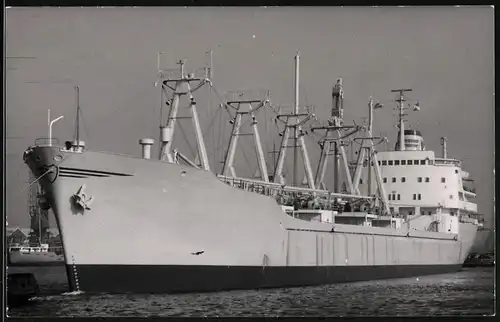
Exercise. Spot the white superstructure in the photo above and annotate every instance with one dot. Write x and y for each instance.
(431, 193)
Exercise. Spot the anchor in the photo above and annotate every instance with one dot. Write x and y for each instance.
(81, 200)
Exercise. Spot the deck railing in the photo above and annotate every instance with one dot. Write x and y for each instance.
(46, 141)
(466, 219)
(302, 198)
(447, 162)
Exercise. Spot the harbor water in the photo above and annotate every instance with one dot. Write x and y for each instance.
(468, 292)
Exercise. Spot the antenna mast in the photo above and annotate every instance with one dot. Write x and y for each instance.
(295, 129)
(401, 101)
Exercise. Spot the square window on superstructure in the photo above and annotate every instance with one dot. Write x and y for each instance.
(419, 197)
(399, 196)
(403, 162)
(361, 181)
(393, 179)
(429, 213)
(379, 163)
(443, 180)
(390, 162)
(389, 197)
(414, 196)
(416, 162)
(396, 162)
(410, 162)
(422, 162)
(422, 213)
(384, 162)
(427, 179)
(393, 196)
(384, 180)
(419, 179)
(403, 179)
(456, 171)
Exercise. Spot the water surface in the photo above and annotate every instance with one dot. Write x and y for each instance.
(468, 292)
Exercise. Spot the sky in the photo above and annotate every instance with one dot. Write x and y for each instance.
(445, 54)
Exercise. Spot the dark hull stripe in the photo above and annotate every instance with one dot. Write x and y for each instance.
(187, 279)
(72, 173)
(93, 172)
(72, 176)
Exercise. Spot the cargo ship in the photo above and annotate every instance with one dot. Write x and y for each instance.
(221, 231)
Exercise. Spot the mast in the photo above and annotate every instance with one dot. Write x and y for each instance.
(210, 92)
(372, 159)
(293, 121)
(77, 103)
(295, 129)
(180, 84)
(370, 130)
(77, 144)
(444, 140)
(335, 125)
(401, 101)
(336, 166)
(243, 104)
(158, 70)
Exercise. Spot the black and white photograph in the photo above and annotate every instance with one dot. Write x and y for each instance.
(249, 161)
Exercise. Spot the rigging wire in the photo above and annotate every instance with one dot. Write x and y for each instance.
(212, 121)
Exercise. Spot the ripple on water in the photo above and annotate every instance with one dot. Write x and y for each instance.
(469, 292)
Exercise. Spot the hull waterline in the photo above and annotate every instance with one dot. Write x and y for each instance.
(190, 279)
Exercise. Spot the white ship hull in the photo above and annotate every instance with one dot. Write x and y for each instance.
(159, 227)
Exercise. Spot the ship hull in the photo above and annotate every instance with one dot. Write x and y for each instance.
(159, 227)
(188, 279)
